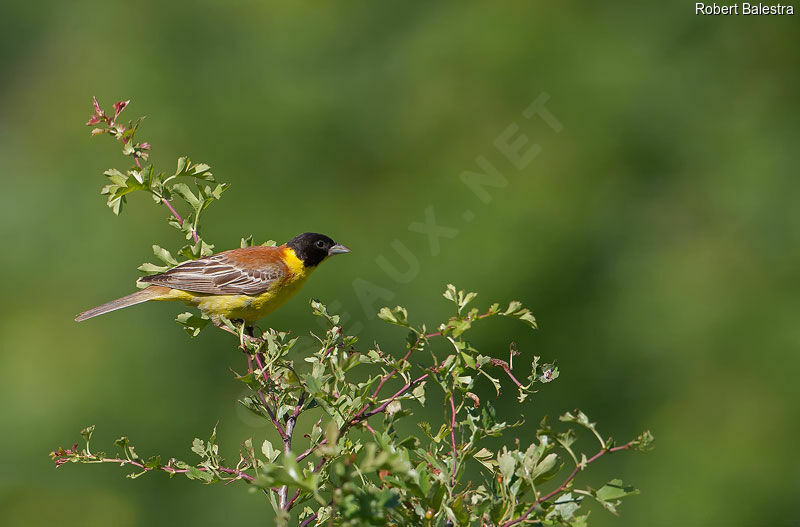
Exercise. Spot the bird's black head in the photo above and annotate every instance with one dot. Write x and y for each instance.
(312, 248)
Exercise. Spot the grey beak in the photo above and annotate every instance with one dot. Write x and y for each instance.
(338, 249)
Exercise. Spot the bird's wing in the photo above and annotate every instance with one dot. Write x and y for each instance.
(246, 271)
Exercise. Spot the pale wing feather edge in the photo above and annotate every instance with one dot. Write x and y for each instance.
(218, 275)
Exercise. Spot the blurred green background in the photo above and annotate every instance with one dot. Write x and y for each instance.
(653, 237)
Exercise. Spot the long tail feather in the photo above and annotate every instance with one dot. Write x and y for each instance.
(138, 297)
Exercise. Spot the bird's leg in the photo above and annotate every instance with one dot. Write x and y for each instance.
(241, 336)
(221, 325)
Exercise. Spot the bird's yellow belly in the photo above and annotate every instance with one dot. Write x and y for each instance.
(245, 307)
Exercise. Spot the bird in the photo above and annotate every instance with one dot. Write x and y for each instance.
(244, 284)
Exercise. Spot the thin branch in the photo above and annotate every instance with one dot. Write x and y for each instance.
(364, 416)
(453, 439)
(297, 493)
(503, 364)
(287, 447)
(386, 403)
(408, 354)
(178, 217)
(166, 468)
(309, 520)
(278, 427)
(566, 482)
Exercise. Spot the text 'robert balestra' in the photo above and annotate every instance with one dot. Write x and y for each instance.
(743, 9)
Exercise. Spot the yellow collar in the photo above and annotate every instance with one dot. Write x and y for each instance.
(295, 264)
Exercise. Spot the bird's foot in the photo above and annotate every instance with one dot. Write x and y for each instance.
(245, 333)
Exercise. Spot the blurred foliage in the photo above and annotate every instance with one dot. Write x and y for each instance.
(653, 236)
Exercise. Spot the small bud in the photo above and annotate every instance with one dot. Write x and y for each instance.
(144, 146)
(119, 106)
(97, 131)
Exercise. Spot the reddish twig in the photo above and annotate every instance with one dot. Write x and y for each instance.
(278, 427)
(318, 466)
(408, 354)
(503, 364)
(177, 216)
(309, 520)
(386, 403)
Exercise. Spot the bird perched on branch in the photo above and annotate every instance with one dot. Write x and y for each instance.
(242, 284)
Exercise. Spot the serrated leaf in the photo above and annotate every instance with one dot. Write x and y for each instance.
(398, 315)
(269, 451)
(183, 190)
(485, 458)
(546, 468)
(164, 255)
(153, 462)
(609, 495)
(199, 447)
(196, 473)
(419, 393)
(506, 463)
(192, 323)
(151, 268)
(450, 293)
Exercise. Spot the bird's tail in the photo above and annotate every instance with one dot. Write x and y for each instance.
(149, 293)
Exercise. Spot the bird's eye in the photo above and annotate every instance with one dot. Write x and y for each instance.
(321, 244)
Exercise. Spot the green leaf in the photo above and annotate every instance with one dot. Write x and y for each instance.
(196, 473)
(153, 462)
(192, 323)
(582, 419)
(150, 268)
(182, 189)
(450, 293)
(485, 458)
(419, 393)
(644, 442)
(546, 468)
(506, 464)
(609, 495)
(269, 451)
(397, 316)
(199, 447)
(164, 255)
(564, 508)
(87, 433)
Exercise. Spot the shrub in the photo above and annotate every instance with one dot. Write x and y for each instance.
(353, 466)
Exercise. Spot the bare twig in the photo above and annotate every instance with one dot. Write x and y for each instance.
(166, 468)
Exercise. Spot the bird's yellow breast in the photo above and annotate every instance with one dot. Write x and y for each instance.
(250, 307)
